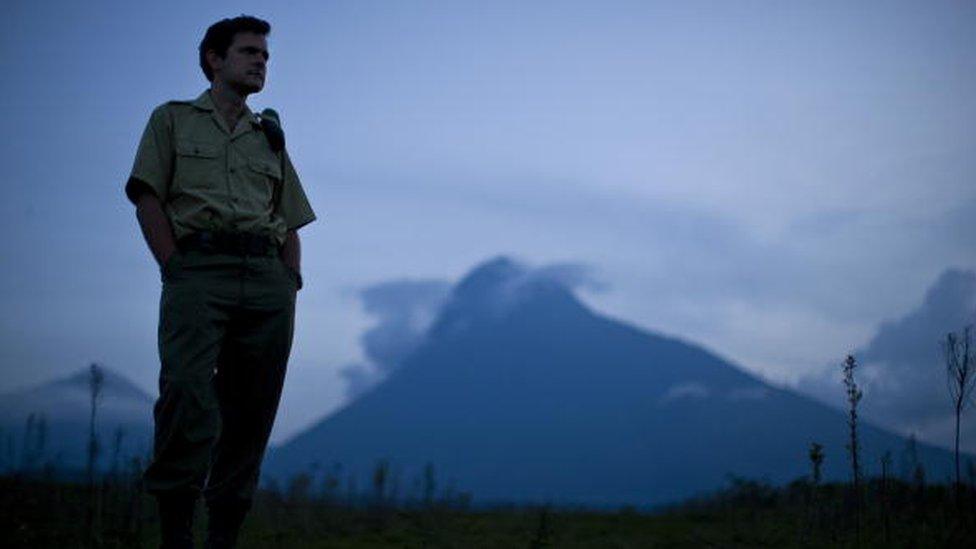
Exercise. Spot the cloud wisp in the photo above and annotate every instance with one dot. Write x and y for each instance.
(403, 309)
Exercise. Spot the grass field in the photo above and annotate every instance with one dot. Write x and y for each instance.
(35, 512)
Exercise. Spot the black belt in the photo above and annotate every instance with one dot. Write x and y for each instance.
(228, 243)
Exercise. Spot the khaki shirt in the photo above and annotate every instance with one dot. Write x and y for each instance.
(211, 178)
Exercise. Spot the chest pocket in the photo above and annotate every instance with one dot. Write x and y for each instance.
(198, 164)
(265, 178)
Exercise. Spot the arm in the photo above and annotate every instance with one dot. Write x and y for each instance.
(155, 227)
(148, 185)
(293, 207)
(291, 254)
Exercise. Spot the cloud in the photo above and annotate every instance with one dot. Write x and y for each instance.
(521, 282)
(359, 378)
(403, 310)
(572, 276)
(949, 305)
(902, 370)
(690, 390)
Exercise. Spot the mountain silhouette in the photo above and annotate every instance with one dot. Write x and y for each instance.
(519, 393)
(63, 407)
(904, 369)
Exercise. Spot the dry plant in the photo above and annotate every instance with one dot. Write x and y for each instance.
(959, 368)
(854, 395)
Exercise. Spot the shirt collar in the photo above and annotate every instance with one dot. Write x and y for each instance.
(205, 103)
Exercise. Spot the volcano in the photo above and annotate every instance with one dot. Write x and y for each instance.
(519, 393)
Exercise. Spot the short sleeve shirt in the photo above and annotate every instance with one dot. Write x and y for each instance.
(211, 177)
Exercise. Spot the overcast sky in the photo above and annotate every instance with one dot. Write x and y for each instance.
(770, 179)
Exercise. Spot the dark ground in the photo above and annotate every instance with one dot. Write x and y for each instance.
(35, 512)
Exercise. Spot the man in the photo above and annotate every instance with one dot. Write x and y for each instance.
(219, 204)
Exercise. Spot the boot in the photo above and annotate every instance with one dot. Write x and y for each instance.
(176, 520)
(225, 520)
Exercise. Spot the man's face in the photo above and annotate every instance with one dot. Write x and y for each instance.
(245, 66)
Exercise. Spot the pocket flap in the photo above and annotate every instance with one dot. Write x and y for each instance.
(270, 169)
(196, 149)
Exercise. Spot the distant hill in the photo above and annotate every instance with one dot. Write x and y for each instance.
(903, 366)
(520, 393)
(63, 407)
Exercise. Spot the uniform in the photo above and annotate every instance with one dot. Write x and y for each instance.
(226, 311)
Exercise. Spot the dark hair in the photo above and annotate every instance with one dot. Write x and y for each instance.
(221, 34)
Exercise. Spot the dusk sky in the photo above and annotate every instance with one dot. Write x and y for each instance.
(772, 180)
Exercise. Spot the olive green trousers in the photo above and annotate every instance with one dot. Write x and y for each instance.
(225, 332)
